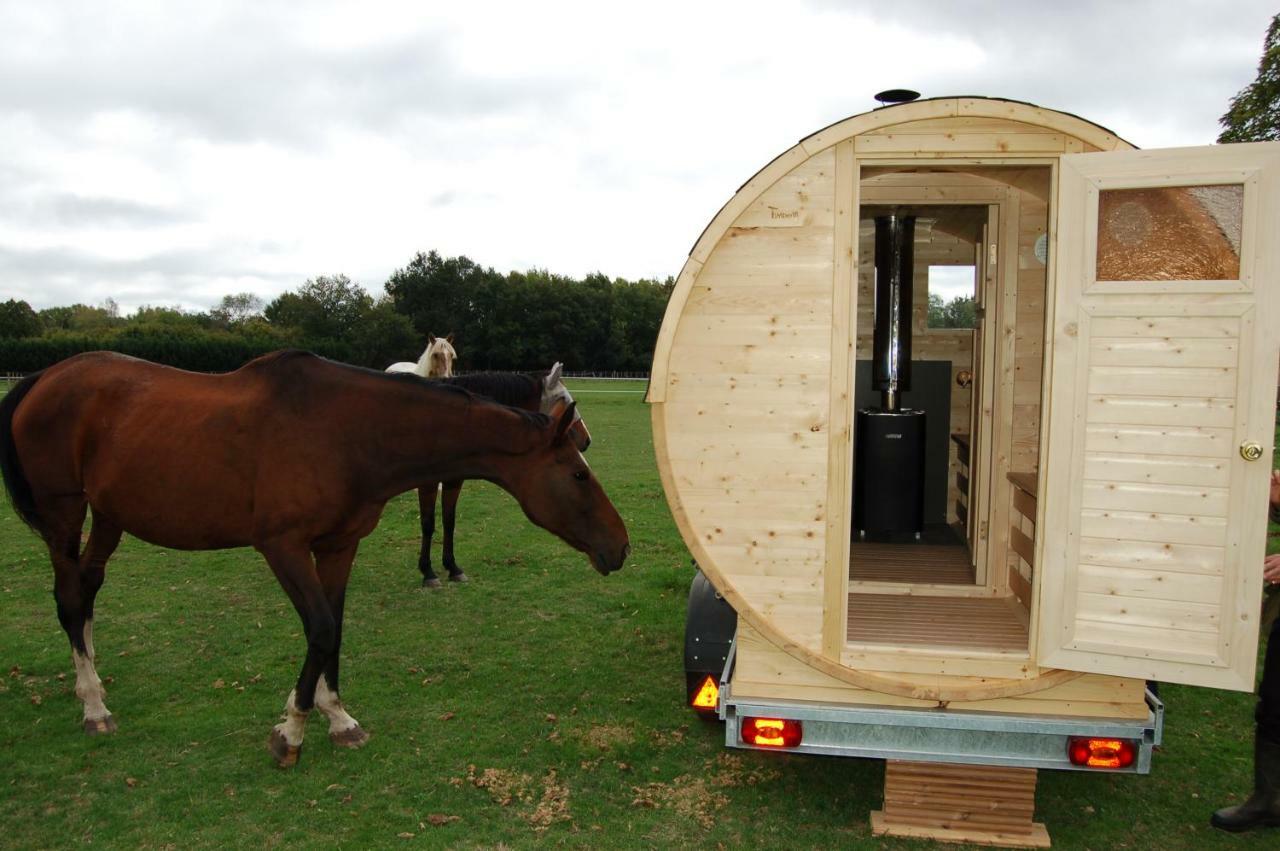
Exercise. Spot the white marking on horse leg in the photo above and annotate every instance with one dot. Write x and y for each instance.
(327, 702)
(294, 725)
(88, 638)
(89, 687)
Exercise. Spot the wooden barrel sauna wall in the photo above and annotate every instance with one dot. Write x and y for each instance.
(752, 374)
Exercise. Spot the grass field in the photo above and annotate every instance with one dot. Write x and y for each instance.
(541, 704)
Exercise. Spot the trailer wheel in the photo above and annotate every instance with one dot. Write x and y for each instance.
(710, 625)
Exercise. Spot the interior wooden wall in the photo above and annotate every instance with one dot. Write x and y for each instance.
(1033, 209)
(1033, 221)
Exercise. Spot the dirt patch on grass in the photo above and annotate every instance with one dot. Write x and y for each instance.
(540, 803)
(736, 770)
(605, 736)
(552, 807)
(689, 796)
(699, 797)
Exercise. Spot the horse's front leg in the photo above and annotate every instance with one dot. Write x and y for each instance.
(449, 514)
(427, 517)
(292, 565)
(334, 568)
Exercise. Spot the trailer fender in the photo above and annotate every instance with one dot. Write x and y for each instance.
(710, 626)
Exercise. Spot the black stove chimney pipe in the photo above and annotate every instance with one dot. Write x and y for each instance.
(891, 345)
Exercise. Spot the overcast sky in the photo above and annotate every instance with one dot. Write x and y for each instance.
(171, 153)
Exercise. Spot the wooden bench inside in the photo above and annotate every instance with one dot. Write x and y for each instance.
(1022, 535)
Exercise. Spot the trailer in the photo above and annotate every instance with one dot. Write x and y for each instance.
(964, 550)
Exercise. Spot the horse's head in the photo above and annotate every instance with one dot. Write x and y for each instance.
(558, 492)
(556, 400)
(439, 356)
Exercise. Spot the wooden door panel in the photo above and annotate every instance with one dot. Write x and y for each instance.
(1154, 524)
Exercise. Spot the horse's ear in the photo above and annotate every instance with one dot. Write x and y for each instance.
(554, 376)
(562, 427)
(431, 338)
(449, 339)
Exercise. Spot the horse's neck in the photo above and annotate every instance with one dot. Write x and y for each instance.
(422, 437)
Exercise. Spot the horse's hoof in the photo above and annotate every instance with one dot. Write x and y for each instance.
(99, 726)
(285, 754)
(459, 577)
(431, 583)
(352, 737)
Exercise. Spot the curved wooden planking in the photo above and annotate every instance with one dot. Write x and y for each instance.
(1096, 136)
(726, 286)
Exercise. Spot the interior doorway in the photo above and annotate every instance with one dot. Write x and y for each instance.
(962, 586)
(947, 246)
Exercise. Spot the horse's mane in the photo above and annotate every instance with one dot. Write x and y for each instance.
(509, 388)
(456, 389)
(272, 359)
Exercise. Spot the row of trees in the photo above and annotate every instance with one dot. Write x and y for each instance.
(960, 312)
(520, 320)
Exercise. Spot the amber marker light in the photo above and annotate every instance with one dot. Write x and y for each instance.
(707, 695)
(771, 732)
(1102, 753)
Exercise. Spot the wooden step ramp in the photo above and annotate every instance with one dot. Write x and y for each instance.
(981, 804)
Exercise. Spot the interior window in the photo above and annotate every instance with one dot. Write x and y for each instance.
(951, 303)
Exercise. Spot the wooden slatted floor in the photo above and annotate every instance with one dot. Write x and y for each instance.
(927, 563)
(987, 624)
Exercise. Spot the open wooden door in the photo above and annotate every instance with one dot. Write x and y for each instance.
(1160, 409)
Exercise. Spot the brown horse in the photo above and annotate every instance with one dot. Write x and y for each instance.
(293, 455)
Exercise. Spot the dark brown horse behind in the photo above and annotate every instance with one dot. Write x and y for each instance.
(530, 391)
(291, 454)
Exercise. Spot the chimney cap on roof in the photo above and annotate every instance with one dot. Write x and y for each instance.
(892, 96)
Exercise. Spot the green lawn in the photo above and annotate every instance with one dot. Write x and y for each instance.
(541, 703)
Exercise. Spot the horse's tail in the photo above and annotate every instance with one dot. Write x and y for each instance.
(15, 481)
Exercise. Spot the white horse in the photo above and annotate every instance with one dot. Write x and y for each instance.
(436, 361)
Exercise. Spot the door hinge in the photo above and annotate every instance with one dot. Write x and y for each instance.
(982, 530)
(991, 254)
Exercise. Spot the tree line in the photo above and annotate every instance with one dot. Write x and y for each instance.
(511, 321)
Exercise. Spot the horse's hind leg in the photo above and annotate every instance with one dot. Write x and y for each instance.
(449, 514)
(76, 579)
(334, 568)
(427, 515)
(104, 537)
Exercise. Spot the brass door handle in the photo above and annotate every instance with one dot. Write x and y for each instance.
(1251, 450)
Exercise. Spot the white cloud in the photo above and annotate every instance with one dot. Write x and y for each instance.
(171, 154)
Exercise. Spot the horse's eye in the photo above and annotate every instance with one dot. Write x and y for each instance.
(581, 475)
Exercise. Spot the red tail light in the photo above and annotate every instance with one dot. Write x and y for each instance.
(707, 695)
(1102, 753)
(771, 732)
